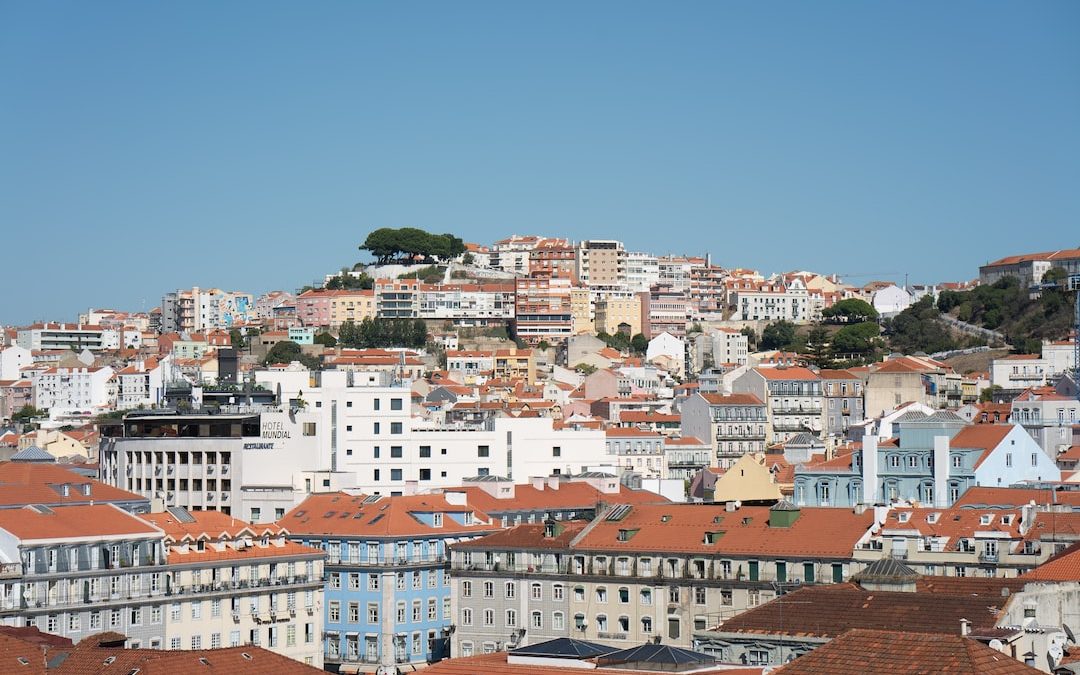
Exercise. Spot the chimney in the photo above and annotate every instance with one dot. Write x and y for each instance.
(1027, 517)
(456, 497)
(553, 482)
(965, 627)
(941, 471)
(869, 469)
(537, 482)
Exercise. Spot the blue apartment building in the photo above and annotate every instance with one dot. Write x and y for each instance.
(932, 460)
(387, 598)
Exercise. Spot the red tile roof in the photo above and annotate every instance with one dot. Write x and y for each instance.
(496, 664)
(31, 483)
(904, 653)
(1006, 496)
(338, 513)
(816, 533)
(30, 524)
(830, 610)
(90, 659)
(1065, 566)
(787, 373)
(570, 495)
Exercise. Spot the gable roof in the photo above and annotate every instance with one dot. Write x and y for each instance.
(829, 611)
(1065, 566)
(341, 514)
(904, 653)
(24, 483)
(82, 520)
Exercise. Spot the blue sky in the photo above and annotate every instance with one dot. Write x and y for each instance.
(147, 146)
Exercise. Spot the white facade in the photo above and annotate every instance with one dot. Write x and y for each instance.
(665, 344)
(376, 438)
(68, 336)
(1018, 373)
(642, 271)
(767, 301)
(142, 384)
(61, 390)
(12, 360)
(890, 300)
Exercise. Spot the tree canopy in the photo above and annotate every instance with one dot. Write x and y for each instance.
(288, 351)
(378, 333)
(852, 310)
(778, 335)
(389, 244)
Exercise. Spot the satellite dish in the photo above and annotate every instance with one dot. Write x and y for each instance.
(997, 644)
(1055, 652)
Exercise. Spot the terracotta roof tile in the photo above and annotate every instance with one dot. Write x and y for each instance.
(904, 653)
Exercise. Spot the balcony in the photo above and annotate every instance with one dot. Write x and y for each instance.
(10, 570)
(391, 561)
(988, 557)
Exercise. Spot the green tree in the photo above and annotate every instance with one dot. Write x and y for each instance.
(778, 335)
(751, 338)
(818, 348)
(852, 310)
(859, 338)
(917, 329)
(987, 395)
(585, 368)
(468, 259)
(288, 351)
(639, 343)
(326, 340)
(27, 413)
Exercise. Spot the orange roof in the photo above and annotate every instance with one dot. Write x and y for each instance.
(1065, 566)
(1008, 496)
(31, 483)
(816, 533)
(82, 520)
(684, 440)
(631, 432)
(341, 514)
(798, 373)
(88, 659)
(896, 653)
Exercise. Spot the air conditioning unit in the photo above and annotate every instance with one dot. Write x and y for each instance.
(236, 616)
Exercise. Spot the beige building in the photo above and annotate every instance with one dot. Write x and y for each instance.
(230, 583)
(615, 310)
(601, 262)
(581, 310)
(638, 572)
(352, 306)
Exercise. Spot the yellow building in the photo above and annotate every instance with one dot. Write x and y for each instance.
(515, 364)
(351, 306)
(581, 311)
(614, 310)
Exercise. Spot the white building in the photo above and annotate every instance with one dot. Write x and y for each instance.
(64, 390)
(74, 336)
(369, 432)
(770, 300)
(142, 383)
(1019, 371)
(642, 271)
(12, 360)
(890, 300)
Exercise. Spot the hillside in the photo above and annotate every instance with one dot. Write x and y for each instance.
(1009, 309)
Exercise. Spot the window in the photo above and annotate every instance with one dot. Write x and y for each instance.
(196, 642)
(334, 612)
(377, 426)
(395, 427)
(646, 624)
(489, 589)
(425, 451)
(894, 461)
(395, 474)
(373, 612)
(557, 592)
(489, 617)
(309, 428)
(215, 640)
(536, 620)
(556, 451)
(1008, 459)
(536, 591)
(646, 596)
(483, 451)
(466, 589)
(395, 452)
(601, 594)
(354, 612)
(1034, 459)
(558, 621)
(601, 623)
(699, 595)
(395, 404)
(579, 593)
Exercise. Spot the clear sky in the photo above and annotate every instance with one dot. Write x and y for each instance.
(146, 146)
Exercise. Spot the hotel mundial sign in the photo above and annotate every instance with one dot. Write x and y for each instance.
(269, 431)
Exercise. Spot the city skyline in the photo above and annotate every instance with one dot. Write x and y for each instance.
(160, 147)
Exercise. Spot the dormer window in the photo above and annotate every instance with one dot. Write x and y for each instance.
(933, 518)
(436, 520)
(903, 517)
(986, 519)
